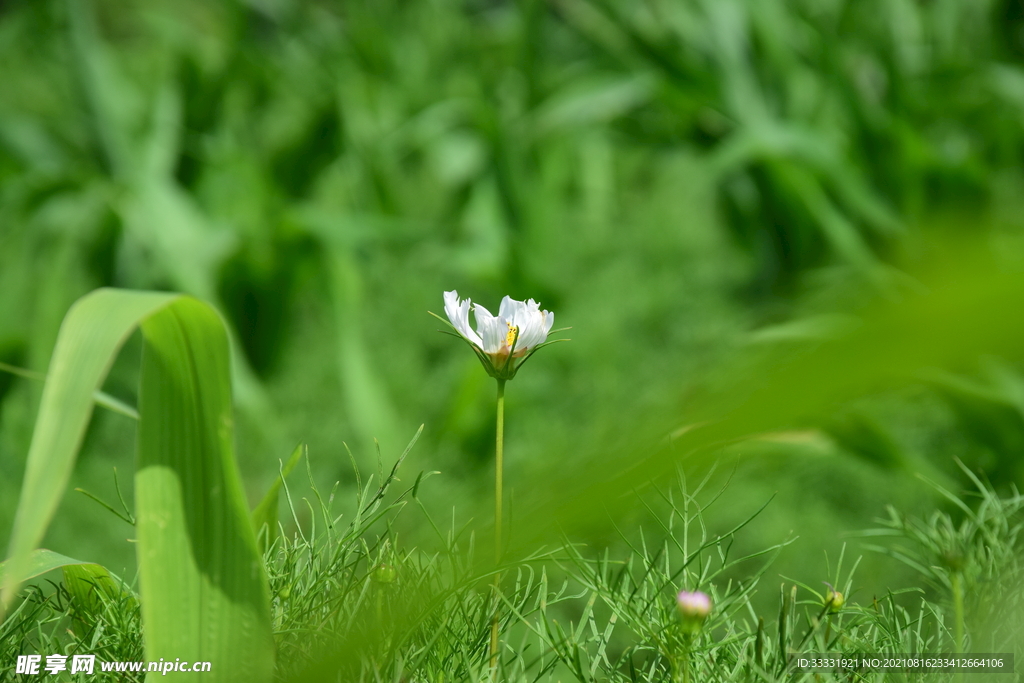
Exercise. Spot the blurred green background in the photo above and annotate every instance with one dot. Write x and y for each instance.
(683, 182)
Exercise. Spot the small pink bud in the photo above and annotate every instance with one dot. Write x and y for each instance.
(694, 607)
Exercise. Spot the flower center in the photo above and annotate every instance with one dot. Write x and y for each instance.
(510, 338)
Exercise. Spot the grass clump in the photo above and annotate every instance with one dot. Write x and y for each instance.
(53, 619)
(352, 602)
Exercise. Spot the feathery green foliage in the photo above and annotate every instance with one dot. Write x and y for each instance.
(352, 603)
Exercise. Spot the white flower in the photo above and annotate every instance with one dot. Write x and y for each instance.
(519, 328)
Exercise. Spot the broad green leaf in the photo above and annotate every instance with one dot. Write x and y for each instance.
(82, 579)
(203, 590)
(90, 586)
(265, 514)
(366, 394)
(94, 329)
(86, 580)
(204, 594)
(39, 562)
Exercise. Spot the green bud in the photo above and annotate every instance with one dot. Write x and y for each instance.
(384, 573)
(834, 600)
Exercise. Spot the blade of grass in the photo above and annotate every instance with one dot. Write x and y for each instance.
(102, 399)
(265, 514)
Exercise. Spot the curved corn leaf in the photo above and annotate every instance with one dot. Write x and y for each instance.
(203, 591)
(94, 589)
(39, 562)
(87, 581)
(83, 580)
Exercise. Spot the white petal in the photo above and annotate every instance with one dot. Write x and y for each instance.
(533, 324)
(492, 330)
(508, 308)
(531, 332)
(458, 313)
(520, 318)
(527, 336)
(514, 314)
(451, 306)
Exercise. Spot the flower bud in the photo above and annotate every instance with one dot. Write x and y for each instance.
(694, 608)
(384, 573)
(834, 600)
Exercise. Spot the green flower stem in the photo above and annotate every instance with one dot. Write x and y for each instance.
(958, 612)
(681, 664)
(498, 467)
(958, 616)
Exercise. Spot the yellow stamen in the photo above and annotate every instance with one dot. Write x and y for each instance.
(510, 338)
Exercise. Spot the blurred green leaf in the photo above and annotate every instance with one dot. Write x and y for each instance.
(102, 398)
(960, 312)
(991, 413)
